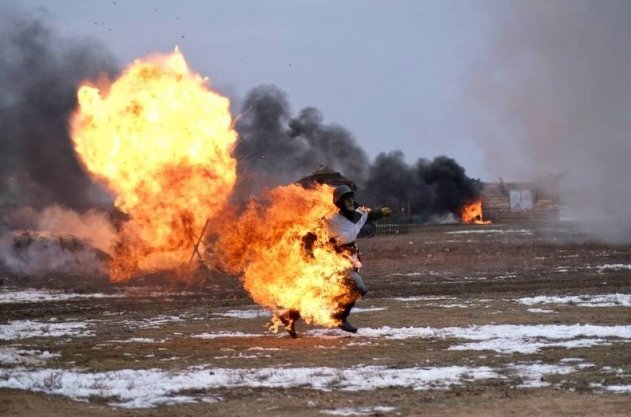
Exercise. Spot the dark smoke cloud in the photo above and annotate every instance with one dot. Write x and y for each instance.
(429, 189)
(38, 78)
(451, 187)
(41, 182)
(553, 96)
(276, 148)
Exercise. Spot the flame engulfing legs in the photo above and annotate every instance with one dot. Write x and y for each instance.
(266, 243)
(162, 142)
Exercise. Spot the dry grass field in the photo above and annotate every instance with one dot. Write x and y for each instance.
(488, 320)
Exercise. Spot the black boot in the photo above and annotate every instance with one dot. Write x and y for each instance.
(345, 325)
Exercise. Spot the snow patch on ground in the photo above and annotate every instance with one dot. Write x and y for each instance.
(14, 356)
(533, 375)
(217, 335)
(618, 389)
(424, 298)
(8, 296)
(532, 338)
(153, 292)
(357, 411)
(136, 340)
(368, 309)
(600, 300)
(500, 338)
(23, 329)
(151, 323)
(265, 349)
(484, 231)
(244, 314)
(540, 310)
(152, 387)
(408, 274)
(143, 340)
(568, 360)
(613, 267)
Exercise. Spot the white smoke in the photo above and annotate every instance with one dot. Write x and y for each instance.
(553, 96)
(92, 226)
(55, 240)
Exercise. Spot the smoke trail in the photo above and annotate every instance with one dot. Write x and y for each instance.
(38, 76)
(553, 95)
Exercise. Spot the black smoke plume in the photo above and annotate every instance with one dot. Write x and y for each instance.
(39, 75)
(429, 189)
(275, 148)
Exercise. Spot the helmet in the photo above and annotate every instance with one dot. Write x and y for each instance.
(340, 192)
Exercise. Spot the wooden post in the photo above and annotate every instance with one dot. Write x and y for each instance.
(195, 248)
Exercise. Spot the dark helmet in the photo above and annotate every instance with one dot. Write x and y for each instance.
(340, 192)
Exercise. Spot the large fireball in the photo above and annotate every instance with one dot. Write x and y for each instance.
(161, 141)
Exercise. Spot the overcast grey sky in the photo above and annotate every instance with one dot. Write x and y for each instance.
(392, 72)
(509, 88)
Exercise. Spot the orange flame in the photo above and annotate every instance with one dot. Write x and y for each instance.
(471, 213)
(266, 243)
(161, 140)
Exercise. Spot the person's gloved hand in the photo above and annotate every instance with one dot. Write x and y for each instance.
(386, 211)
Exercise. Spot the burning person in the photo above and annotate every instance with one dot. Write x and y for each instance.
(343, 226)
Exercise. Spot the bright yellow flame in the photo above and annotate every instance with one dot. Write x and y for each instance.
(266, 242)
(161, 140)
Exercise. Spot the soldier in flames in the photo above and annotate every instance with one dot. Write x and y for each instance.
(344, 226)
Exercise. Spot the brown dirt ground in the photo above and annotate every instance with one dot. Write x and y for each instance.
(482, 270)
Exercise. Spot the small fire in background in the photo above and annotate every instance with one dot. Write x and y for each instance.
(161, 141)
(471, 213)
(266, 244)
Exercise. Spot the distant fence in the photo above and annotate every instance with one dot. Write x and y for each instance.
(392, 228)
(398, 222)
